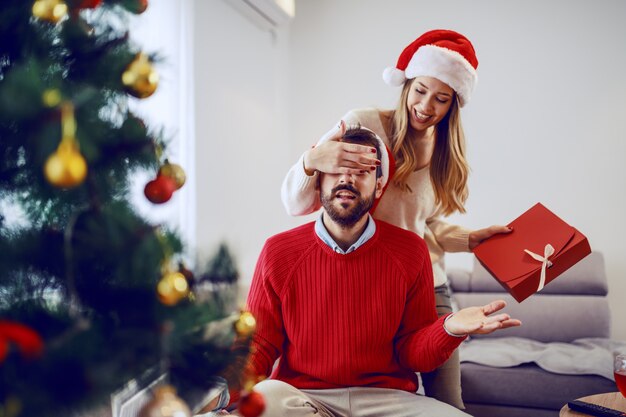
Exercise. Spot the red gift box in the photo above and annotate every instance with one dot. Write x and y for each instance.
(540, 248)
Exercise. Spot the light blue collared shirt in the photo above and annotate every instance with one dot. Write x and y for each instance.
(323, 234)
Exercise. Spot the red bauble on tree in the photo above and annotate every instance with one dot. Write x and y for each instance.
(175, 172)
(135, 6)
(160, 189)
(89, 4)
(29, 343)
(251, 405)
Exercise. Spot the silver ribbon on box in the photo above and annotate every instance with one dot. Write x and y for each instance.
(545, 263)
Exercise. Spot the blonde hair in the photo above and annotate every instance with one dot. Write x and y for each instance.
(449, 169)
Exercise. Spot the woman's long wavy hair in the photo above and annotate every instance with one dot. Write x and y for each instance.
(449, 169)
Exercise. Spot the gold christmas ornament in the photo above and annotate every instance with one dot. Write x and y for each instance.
(172, 288)
(245, 325)
(50, 10)
(139, 78)
(175, 172)
(51, 97)
(66, 167)
(165, 403)
(12, 407)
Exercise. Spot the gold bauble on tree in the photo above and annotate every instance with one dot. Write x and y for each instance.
(66, 167)
(51, 97)
(175, 172)
(50, 10)
(172, 288)
(139, 78)
(165, 403)
(245, 325)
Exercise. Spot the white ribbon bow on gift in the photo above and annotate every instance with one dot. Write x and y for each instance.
(545, 262)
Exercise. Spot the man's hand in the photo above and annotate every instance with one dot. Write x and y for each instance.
(336, 157)
(479, 320)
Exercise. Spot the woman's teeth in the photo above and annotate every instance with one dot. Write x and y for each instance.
(420, 116)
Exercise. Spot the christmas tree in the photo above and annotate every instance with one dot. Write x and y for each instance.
(91, 294)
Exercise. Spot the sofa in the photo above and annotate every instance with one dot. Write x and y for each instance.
(572, 307)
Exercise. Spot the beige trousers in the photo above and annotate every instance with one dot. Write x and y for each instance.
(282, 399)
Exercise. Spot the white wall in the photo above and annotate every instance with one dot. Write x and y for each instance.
(241, 132)
(165, 28)
(545, 122)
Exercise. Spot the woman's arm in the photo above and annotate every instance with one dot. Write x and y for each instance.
(299, 191)
(455, 238)
(451, 237)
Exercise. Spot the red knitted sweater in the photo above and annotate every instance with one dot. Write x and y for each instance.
(363, 319)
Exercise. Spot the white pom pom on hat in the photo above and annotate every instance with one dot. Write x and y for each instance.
(394, 76)
(443, 54)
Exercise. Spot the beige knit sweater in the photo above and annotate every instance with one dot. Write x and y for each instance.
(415, 211)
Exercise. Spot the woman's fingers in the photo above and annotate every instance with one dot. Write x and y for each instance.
(360, 155)
(477, 236)
(333, 156)
(359, 149)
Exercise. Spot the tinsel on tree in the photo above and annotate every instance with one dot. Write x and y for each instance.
(91, 294)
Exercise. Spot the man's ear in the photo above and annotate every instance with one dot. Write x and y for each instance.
(379, 187)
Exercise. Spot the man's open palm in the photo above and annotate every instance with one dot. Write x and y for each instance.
(480, 320)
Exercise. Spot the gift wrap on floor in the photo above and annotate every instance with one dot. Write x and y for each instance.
(540, 248)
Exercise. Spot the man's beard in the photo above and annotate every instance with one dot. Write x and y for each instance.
(347, 218)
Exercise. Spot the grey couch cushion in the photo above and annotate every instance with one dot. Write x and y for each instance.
(489, 410)
(527, 384)
(549, 318)
(587, 277)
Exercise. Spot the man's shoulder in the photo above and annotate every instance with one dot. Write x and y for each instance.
(292, 240)
(406, 248)
(398, 238)
(392, 230)
(283, 252)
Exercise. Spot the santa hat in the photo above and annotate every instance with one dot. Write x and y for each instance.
(385, 160)
(442, 54)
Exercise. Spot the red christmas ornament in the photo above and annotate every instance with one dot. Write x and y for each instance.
(143, 5)
(160, 189)
(251, 405)
(4, 349)
(135, 6)
(28, 341)
(89, 4)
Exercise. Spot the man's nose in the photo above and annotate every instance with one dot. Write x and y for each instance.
(347, 178)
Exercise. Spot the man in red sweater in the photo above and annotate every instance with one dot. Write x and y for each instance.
(346, 304)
